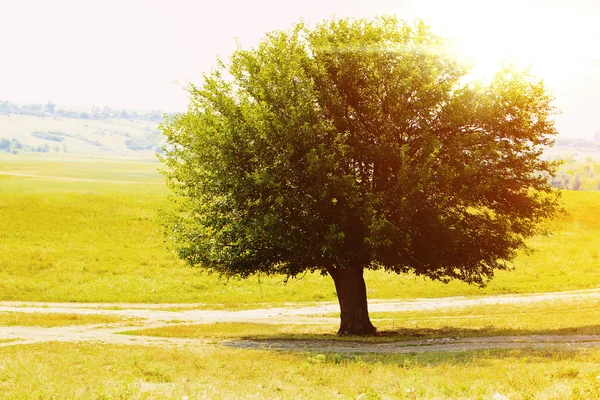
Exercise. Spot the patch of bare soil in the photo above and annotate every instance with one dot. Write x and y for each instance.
(152, 316)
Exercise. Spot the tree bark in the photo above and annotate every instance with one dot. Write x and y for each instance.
(352, 296)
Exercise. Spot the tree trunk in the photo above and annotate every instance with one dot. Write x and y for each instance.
(352, 295)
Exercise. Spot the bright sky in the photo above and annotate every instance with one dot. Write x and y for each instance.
(139, 54)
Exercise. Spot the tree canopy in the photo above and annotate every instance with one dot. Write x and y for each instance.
(358, 144)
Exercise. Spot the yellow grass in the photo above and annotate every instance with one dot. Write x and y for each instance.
(99, 240)
(88, 371)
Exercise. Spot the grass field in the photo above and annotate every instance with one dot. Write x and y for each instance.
(85, 371)
(87, 230)
(54, 168)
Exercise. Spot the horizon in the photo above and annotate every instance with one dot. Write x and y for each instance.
(85, 107)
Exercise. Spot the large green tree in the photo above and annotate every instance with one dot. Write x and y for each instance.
(358, 144)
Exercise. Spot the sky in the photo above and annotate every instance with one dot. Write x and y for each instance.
(139, 55)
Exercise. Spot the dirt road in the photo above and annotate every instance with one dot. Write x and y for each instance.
(153, 315)
(74, 179)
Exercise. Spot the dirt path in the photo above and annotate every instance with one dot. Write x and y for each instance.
(73, 179)
(149, 315)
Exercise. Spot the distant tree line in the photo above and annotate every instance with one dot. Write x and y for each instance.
(51, 110)
(576, 175)
(54, 136)
(14, 146)
(580, 143)
(150, 140)
(564, 181)
(10, 145)
(58, 136)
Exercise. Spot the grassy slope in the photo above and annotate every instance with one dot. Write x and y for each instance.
(111, 134)
(66, 240)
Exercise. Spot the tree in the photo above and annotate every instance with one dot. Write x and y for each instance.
(5, 144)
(16, 144)
(50, 107)
(358, 144)
(577, 183)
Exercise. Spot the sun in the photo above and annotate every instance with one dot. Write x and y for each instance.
(486, 59)
(487, 49)
(519, 35)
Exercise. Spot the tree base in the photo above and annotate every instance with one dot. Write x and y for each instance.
(360, 330)
(352, 295)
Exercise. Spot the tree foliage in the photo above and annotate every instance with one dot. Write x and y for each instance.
(358, 144)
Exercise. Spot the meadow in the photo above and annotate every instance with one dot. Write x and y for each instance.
(87, 230)
(84, 229)
(94, 371)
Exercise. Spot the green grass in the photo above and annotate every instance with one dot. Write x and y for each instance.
(88, 371)
(558, 317)
(54, 167)
(95, 240)
(56, 319)
(245, 330)
(98, 241)
(547, 318)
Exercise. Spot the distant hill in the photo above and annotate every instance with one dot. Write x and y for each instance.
(115, 133)
(114, 138)
(577, 148)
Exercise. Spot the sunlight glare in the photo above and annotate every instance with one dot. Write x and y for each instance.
(515, 34)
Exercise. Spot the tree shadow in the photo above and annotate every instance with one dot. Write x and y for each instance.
(403, 333)
(529, 355)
